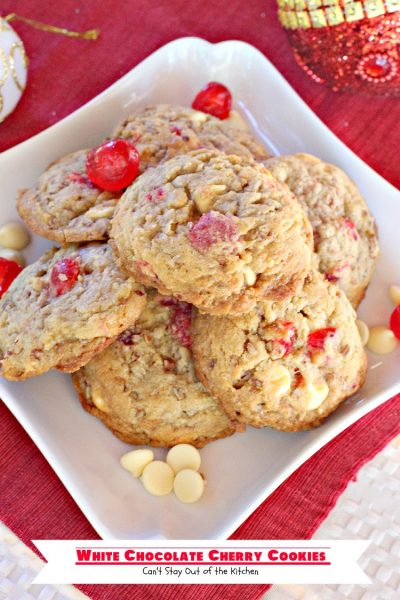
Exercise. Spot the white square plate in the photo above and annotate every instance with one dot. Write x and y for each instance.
(244, 469)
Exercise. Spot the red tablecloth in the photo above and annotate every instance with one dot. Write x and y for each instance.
(64, 73)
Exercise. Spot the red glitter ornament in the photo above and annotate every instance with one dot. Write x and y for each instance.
(350, 46)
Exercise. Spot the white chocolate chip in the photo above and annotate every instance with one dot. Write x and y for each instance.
(12, 255)
(99, 402)
(381, 340)
(105, 212)
(363, 330)
(394, 291)
(184, 456)
(202, 202)
(136, 460)
(236, 119)
(198, 117)
(158, 478)
(280, 172)
(249, 276)
(314, 394)
(204, 196)
(14, 235)
(217, 188)
(188, 486)
(177, 199)
(278, 380)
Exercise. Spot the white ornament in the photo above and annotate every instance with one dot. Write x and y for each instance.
(13, 69)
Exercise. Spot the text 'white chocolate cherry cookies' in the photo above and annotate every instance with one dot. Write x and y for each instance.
(345, 235)
(63, 309)
(214, 230)
(285, 364)
(143, 386)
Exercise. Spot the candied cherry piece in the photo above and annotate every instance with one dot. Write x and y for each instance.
(81, 179)
(214, 99)
(210, 229)
(113, 165)
(180, 323)
(64, 275)
(127, 337)
(395, 322)
(335, 275)
(316, 340)
(288, 332)
(9, 270)
(331, 277)
(352, 228)
(168, 301)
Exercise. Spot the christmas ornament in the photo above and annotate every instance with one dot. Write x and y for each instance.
(14, 61)
(348, 45)
(13, 69)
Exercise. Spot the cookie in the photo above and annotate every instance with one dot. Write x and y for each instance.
(214, 230)
(161, 132)
(286, 364)
(143, 386)
(65, 206)
(63, 309)
(345, 234)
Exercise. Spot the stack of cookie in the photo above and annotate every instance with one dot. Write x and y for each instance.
(214, 293)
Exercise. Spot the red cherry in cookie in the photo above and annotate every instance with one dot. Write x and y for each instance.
(348, 223)
(212, 228)
(316, 340)
(180, 323)
(214, 99)
(286, 336)
(80, 179)
(395, 322)
(113, 165)
(64, 275)
(9, 270)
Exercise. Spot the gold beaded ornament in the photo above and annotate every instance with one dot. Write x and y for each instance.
(306, 14)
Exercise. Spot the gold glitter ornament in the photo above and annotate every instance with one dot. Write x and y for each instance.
(14, 61)
(349, 45)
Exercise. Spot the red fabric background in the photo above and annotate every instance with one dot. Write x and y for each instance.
(63, 74)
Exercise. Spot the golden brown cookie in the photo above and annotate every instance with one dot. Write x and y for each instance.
(286, 364)
(143, 386)
(214, 230)
(63, 309)
(345, 234)
(162, 131)
(65, 206)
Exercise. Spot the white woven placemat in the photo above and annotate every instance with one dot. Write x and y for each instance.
(18, 567)
(368, 509)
